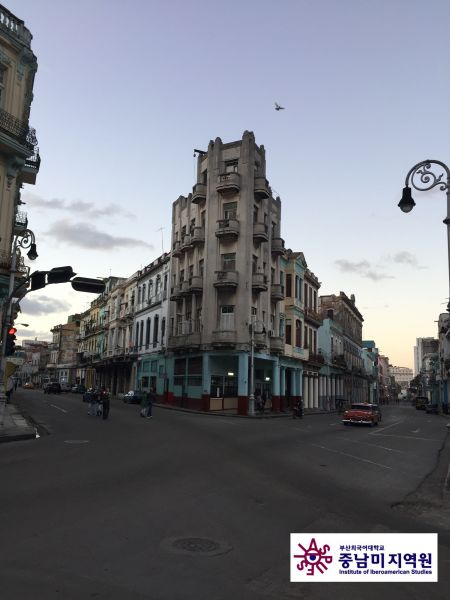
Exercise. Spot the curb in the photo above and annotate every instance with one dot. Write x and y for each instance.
(284, 415)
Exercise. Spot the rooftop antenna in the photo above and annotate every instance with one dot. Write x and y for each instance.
(161, 229)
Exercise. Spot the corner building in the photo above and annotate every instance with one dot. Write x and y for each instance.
(226, 274)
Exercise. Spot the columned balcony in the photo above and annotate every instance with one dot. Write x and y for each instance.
(195, 285)
(198, 236)
(176, 250)
(262, 189)
(31, 168)
(276, 292)
(186, 243)
(259, 282)
(316, 359)
(277, 246)
(175, 293)
(260, 233)
(226, 279)
(227, 229)
(221, 338)
(199, 193)
(184, 288)
(276, 345)
(228, 183)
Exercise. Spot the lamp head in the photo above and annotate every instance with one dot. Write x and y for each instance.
(32, 253)
(407, 203)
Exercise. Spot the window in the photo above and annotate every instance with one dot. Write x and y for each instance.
(143, 292)
(165, 282)
(289, 285)
(305, 337)
(191, 228)
(2, 85)
(203, 218)
(298, 333)
(191, 271)
(201, 263)
(255, 214)
(315, 341)
(158, 284)
(163, 329)
(288, 332)
(147, 333)
(254, 264)
(227, 318)
(181, 275)
(315, 300)
(141, 334)
(305, 295)
(183, 232)
(229, 262)
(205, 176)
(139, 295)
(231, 166)
(229, 210)
(155, 329)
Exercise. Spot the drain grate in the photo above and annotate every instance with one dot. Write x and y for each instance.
(195, 545)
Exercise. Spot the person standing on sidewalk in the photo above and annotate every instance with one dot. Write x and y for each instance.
(151, 398)
(9, 388)
(104, 399)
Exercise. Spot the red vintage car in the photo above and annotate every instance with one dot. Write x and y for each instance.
(362, 413)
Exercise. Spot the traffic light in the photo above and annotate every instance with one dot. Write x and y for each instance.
(60, 275)
(84, 284)
(38, 280)
(10, 347)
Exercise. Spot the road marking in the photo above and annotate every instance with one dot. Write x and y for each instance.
(59, 408)
(415, 431)
(388, 427)
(352, 456)
(407, 437)
(374, 445)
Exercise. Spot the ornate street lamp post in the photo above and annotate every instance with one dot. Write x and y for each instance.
(422, 178)
(23, 239)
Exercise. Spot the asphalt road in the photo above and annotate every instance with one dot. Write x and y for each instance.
(103, 509)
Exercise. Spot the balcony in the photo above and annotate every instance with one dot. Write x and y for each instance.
(277, 246)
(198, 236)
(20, 222)
(14, 26)
(276, 345)
(259, 282)
(195, 284)
(226, 279)
(313, 317)
(260, 233)
(186, 243)
(175, 293)
(262, 189)
(199, 193)
(31, 168)
(176, 249)
(338, 360)
(227, 229)
(221, 338)
(228, 183)
(260, 340)
(17, 130)
(276, 292)
(316, 359)
(184, 287)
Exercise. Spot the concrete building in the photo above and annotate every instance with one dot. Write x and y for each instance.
(331, 344)
(370, 358)
(19, 154)
(150, 326)
(401, 375)
(345, 313)
(423, 346)
(226, 275)
(63, 351)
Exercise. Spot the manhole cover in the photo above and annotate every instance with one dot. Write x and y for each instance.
(195, 545)
(76, 441)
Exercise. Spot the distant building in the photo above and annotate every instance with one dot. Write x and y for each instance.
(401, 375)
(424, 346)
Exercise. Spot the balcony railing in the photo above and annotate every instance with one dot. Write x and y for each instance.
(31, 167)
(262, 189)
(199, 193)
(17, 129)
(313, 317)
(260, 232)
(198, 235)
(259, 282)
(276, 292)
(278, 246)
(316, 359)
(276, 345)
(176, 249)
(227, 228)
(228, 183)
(226, 279)
(14, 26)
(224, 338)
(195, 285)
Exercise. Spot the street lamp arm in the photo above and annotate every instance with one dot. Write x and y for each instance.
(422, 178)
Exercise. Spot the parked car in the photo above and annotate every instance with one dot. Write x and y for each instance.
(421, 402)
(362, 413)
(65, 387)
(52, 388)
(29, 385)
(133, 397)
(79, 388)
(431, 408)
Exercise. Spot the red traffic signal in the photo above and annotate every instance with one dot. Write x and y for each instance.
(12, 331)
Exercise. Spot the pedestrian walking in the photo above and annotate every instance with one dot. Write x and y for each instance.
(264, 398)
(298, 409)
(93, 402)
(151, 398)
(258, 400)
(105, 402)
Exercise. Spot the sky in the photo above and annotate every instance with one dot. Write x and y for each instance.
(125, 91)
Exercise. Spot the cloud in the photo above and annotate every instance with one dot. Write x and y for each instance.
(89, 209)
(43, 305)
(406, 258)
(27, 334)
(86, 235)
(362, 268)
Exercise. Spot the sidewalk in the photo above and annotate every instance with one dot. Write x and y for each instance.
(268, 414)
(13, 426)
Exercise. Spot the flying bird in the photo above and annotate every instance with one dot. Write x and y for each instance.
(278, 107)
